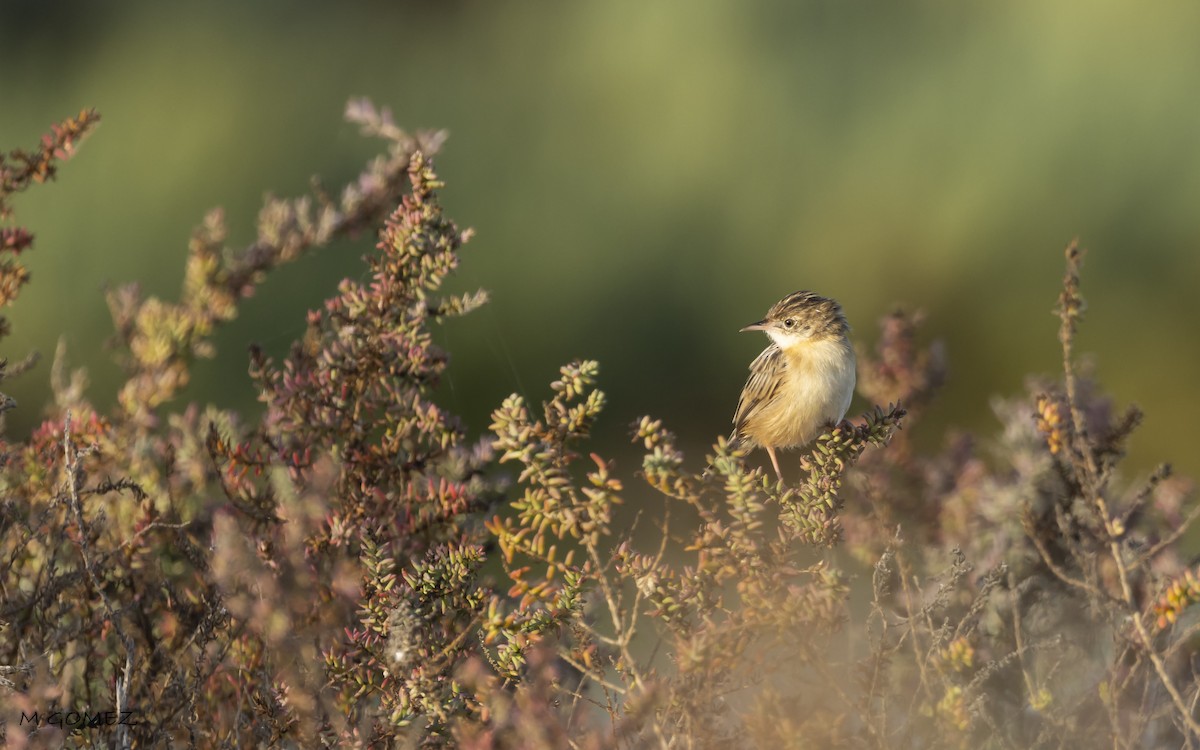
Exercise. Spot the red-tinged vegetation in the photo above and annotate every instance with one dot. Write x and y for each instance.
(352, 568)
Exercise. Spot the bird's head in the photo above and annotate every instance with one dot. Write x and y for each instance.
(802, 317)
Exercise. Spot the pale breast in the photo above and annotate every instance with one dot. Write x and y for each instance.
(819, 386)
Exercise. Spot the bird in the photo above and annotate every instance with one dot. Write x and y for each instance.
(802, 382)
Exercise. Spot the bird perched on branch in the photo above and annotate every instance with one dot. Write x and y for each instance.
(801, 383)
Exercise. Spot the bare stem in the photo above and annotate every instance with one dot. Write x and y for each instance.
(71, 463)
(1070, 308)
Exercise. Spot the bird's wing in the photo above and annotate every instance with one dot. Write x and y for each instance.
(765, 378)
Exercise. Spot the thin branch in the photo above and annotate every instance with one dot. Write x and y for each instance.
(1061, 574)
(1070, 308)
(1147, 642)
(1017, 636)
(71, 464)
(1170, 539)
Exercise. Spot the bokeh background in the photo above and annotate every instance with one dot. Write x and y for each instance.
(646, 178)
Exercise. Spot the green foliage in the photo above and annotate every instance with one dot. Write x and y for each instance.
(349, 569)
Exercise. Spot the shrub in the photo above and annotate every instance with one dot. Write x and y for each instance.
(349, 568)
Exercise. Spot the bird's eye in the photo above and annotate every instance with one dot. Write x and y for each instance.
(789, 322)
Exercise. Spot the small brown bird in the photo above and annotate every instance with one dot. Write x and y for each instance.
(801, 383)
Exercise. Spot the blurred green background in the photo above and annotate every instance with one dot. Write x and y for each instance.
(645, 178)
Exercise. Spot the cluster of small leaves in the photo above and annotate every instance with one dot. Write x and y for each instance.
(162, 337)
(18, 170)
(347, 509)
(929, 664)
(710, 594)
(552, 520)
(989, 615)
(1107, 547)
(209, 586)
(324, 574)
(896, 482)
(413, 633)
(552, 506)
(899, 370)
(400, 482)
(810, 509)
(1058, 622)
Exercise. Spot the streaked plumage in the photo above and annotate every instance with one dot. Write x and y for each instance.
(801, 383)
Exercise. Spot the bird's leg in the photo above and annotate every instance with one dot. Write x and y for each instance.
(774, 462)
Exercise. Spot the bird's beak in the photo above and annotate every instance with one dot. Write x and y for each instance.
(759, 326)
